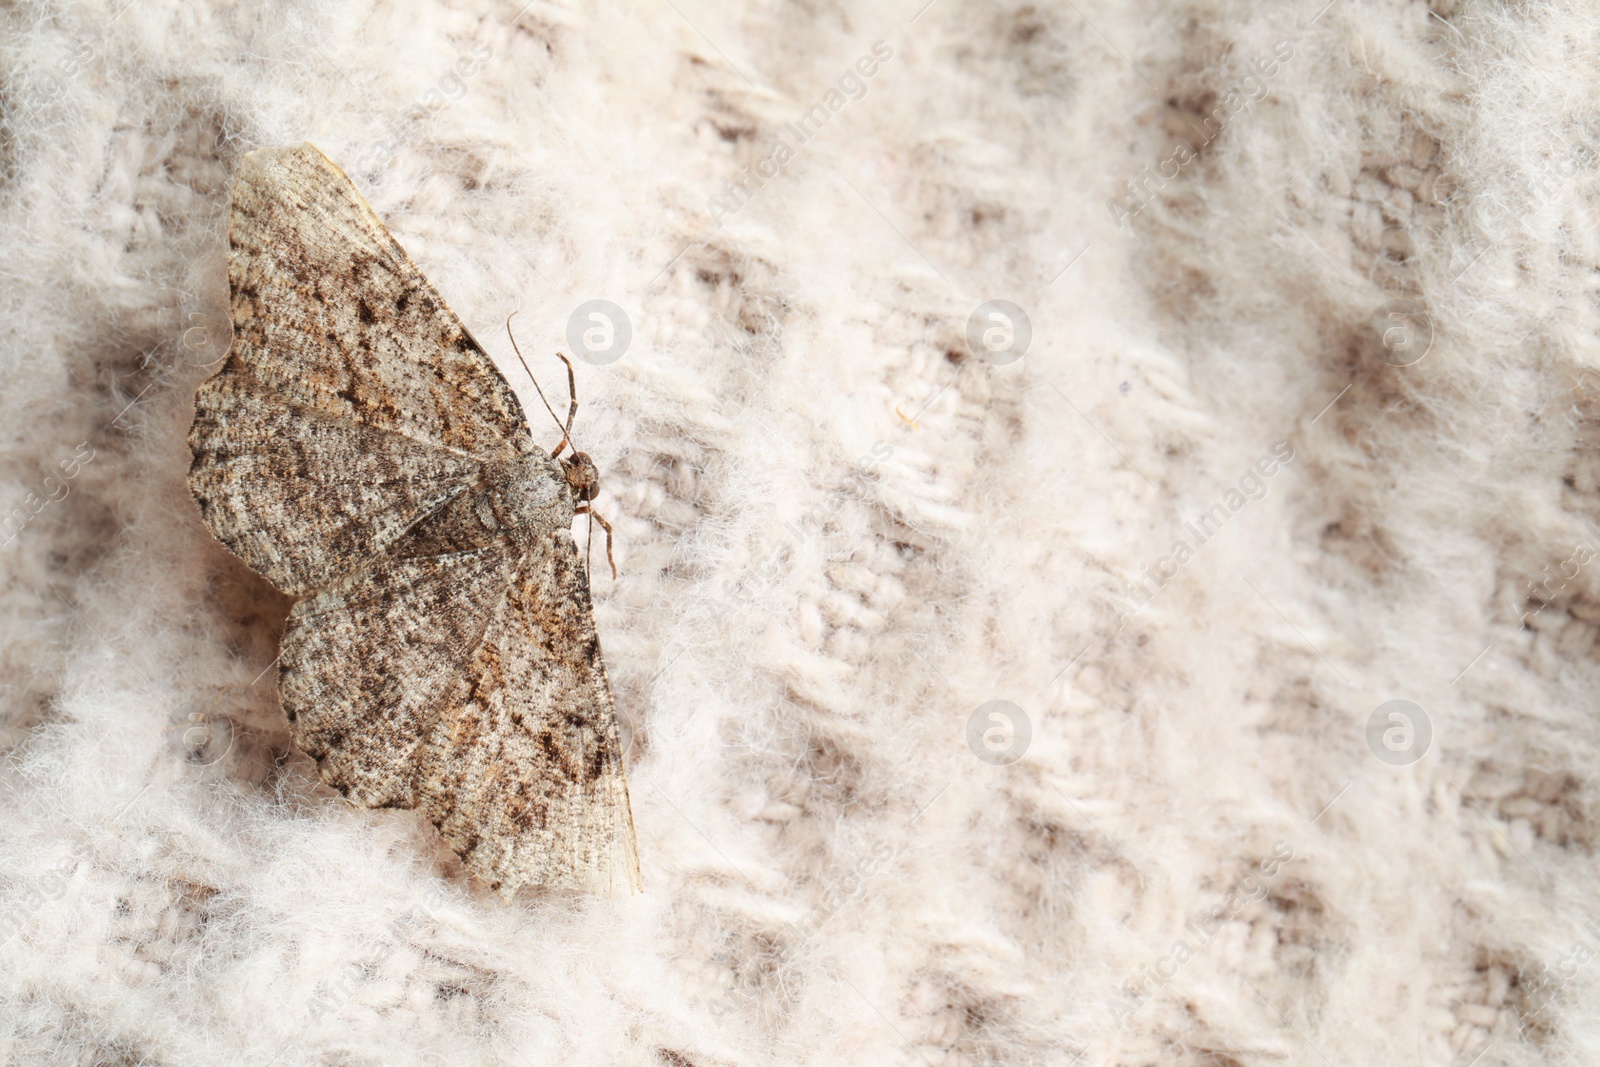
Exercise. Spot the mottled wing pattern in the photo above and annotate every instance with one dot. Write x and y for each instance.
(353, 449)
(303, 496)
(469, 685)
(334, 326)
(368, 661)
(522, 771)
(328, 307)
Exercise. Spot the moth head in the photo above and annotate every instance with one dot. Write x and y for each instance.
(582, 475)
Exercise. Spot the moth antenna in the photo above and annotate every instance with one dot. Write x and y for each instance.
(535, 382)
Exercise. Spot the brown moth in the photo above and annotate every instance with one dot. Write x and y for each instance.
(361, 452)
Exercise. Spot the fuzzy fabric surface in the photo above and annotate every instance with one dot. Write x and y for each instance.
(1105, 500)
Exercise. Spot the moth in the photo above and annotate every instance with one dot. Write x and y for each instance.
(360, 451)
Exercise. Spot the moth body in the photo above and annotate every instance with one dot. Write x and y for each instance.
(528, 498)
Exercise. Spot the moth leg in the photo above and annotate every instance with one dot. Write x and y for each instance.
(606, 526)
(572, 392)
(572, 409)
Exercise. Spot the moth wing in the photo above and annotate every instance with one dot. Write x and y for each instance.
(303, 496)
(522, 772)
(334, 325)
(368, 661)
(469, 685)
(327, 307)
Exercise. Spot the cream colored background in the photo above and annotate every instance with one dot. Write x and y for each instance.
(841, 532)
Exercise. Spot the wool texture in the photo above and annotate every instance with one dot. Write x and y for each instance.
(1105, 498)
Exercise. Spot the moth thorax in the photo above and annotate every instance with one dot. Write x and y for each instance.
(529, 494)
